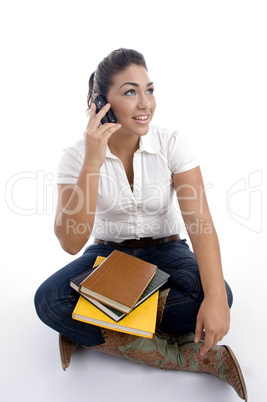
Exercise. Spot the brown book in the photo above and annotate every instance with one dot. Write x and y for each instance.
(119, 281)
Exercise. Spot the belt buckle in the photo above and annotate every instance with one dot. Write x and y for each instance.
(132, 243)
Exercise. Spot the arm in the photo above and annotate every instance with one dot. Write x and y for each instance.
(76, 206)
(214, 313)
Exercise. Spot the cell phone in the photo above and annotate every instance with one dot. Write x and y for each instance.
(100, 102)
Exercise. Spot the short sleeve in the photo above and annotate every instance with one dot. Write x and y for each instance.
(181, 156)
(69, 166)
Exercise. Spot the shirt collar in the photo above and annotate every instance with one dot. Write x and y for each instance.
(109, 154)
(148, 143)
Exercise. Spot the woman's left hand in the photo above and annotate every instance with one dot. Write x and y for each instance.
(214, 318)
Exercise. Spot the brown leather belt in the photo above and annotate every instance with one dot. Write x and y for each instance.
(143, 242)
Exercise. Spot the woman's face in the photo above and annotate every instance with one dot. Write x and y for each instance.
(132, 100)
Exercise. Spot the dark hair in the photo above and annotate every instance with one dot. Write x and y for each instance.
(117, 61)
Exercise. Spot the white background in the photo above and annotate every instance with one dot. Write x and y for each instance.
(208, 62)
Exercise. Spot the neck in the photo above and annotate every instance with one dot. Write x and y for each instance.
(121, 145)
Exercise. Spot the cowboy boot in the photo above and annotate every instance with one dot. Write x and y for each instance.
(66, 348)
(167, 352)
(176, 353)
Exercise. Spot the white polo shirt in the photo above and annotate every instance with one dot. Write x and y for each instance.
(150, 209)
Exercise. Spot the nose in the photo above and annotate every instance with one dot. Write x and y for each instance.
(143, 102)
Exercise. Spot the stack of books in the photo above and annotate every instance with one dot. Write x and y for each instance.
(121, 293)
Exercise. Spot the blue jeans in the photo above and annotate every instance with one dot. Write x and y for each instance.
(55, 299)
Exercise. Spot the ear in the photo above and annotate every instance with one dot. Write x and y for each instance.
(95, 95)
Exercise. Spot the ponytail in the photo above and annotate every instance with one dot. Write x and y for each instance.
(91, 92)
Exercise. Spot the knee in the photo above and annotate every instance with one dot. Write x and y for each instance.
(188, 282)
(40, 301)
(44, 299)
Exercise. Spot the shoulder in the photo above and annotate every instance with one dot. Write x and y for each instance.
(75, 151)
(176, 148)
(163, 133)
(167, 138)
(70, 163)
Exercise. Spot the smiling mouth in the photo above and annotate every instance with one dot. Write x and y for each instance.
(141, 118)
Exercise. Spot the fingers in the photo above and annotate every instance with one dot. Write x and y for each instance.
(211, 339)
(95, 130)
(198, 331)
(92, 114)
(208, 343)
(108, 129)
(214, 319)
(103, 132)
(95, 118)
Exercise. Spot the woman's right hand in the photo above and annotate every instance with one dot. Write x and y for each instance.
(96, 137)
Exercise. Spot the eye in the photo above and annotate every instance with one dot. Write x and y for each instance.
(150, 91)
(131, 92)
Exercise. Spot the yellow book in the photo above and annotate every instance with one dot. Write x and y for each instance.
(98, 260)
(141, 321)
